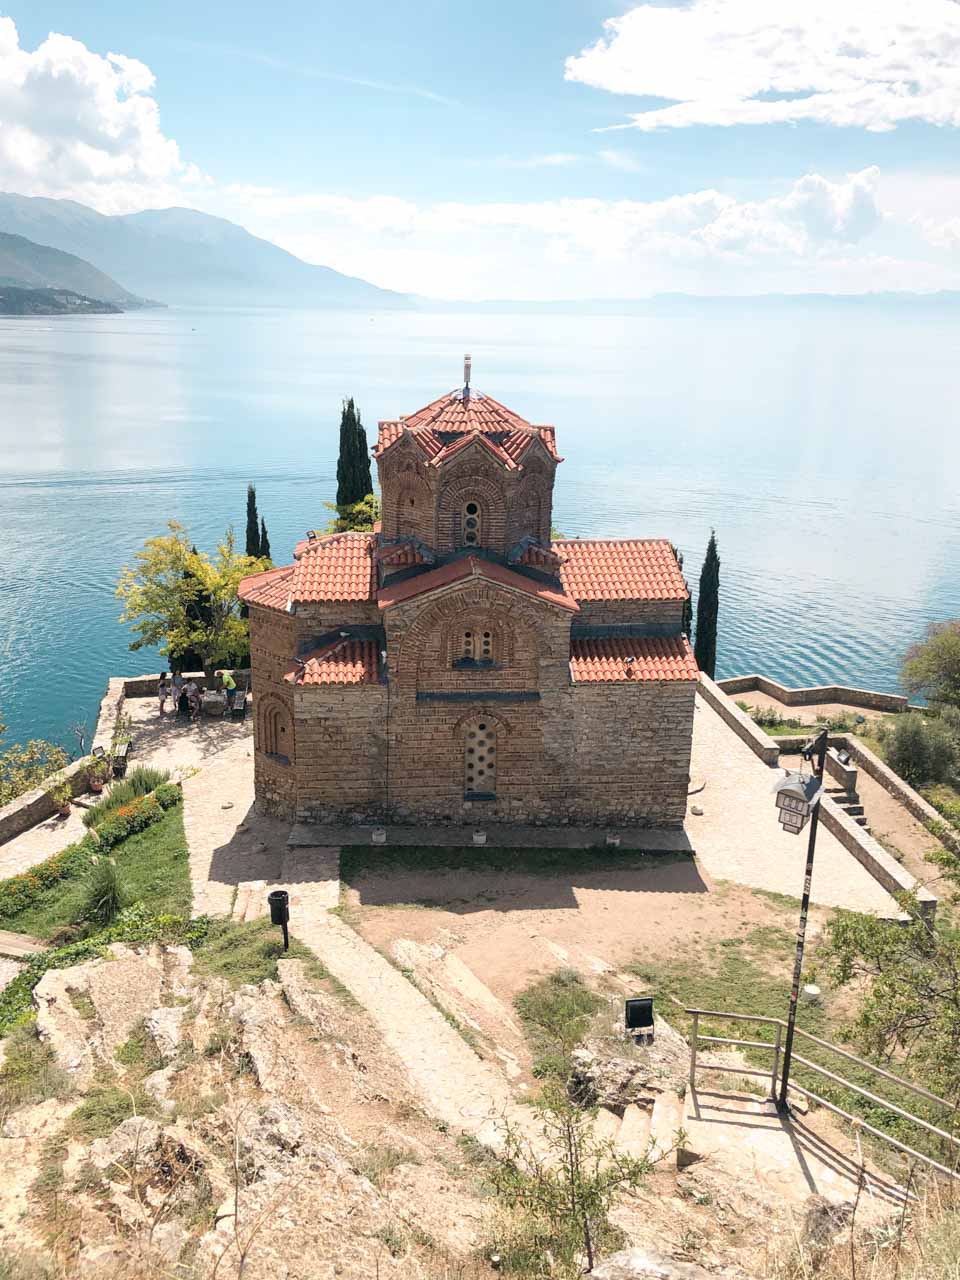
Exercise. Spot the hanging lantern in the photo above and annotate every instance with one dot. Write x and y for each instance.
(796, 797)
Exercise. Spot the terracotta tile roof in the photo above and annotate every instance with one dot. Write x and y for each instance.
(646, 657)
(347, 661)
(467, 567)
(271, 588)
(615, 569)
(446, 425)
(336, 567)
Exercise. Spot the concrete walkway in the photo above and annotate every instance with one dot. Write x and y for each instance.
(738, 837)
(41, 842)
(455, 1085)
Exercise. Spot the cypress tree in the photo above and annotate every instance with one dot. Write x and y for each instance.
(708, 606)
(686, 622)
(253, 523)
(353, 464)
(264, 541)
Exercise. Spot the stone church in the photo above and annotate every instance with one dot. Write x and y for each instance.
(459, 664)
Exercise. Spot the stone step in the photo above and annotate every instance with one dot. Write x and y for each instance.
(311, 874)
(854, 810)
(606, 1125)
(667, 1118)
(15, 946)
(251, 900)
(634, 1136)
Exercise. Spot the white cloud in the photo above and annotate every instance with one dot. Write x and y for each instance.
(75, 123)
(619, 247)
(864, 63)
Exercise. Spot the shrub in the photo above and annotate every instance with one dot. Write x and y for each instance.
(103, 897)
(139, 782)
(60, 792)
(23, 890)
(922, 750)
(138, 814)
(556, 1013)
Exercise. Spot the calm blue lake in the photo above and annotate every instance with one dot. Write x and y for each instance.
(823, 446)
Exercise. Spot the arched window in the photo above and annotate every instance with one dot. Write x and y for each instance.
(276, 731)
(471, 524)
(480, 761)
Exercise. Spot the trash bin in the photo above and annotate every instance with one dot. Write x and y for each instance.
(279, 902)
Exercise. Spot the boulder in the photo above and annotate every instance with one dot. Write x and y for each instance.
(131, 1141)
(613, 1072)
(60, 1025)
(649, 1264)
(165, 1027)
(124, 990)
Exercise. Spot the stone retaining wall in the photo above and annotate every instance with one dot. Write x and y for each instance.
(36, 806)
(146, 686)
(760, 743)
(891, 782)
(868, 698)
(884, 868)
(869, 853)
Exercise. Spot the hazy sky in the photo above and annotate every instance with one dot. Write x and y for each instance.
(518, 148)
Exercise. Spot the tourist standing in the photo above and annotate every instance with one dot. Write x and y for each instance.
(230, 687)
(163, 692)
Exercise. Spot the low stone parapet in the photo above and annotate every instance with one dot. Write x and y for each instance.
(36, 806)
(871, 699)
(871, 854)
(760, 743)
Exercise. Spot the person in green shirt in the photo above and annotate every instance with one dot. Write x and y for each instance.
(230, 685)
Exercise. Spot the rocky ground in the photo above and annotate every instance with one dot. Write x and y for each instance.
(171, 1126)
(194, 1130)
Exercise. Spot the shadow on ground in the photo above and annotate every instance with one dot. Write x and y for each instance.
(467, 880)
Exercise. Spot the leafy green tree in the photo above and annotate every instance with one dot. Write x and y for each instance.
(23, 768)
(932, 666)
(179, 599)
(354, 481)
(264, 551)
(253, 523)
(357, 517)
(558, 1198)
(909, 975)
(708, 607)
(922, 750)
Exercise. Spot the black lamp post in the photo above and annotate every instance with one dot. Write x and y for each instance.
(798, 799)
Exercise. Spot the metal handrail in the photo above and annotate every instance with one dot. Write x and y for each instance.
(696, 1038)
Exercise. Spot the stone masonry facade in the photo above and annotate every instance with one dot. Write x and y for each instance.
(459, 666)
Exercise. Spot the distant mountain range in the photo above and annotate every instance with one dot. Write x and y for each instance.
(25, 265)
(180, 256)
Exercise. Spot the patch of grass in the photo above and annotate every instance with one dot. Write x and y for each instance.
(24, 1266)
(104, 1108)
(784, 900)
(153, 865)
(139, 1052)
(357, 861)
(29, 1072)
(249, 953)
(556, 1012)
(83, 1004)
(377, 1163)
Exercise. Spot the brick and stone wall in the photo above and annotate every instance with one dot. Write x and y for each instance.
(632, 744)
(666, 615)
(341, 752)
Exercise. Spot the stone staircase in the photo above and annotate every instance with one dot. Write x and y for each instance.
(643, 1130)
(849, 802)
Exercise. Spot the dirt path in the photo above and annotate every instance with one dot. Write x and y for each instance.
(455, 1086)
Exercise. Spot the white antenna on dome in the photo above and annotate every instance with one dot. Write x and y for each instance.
(466, 375)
